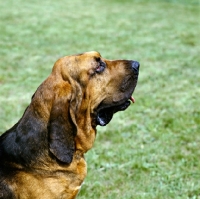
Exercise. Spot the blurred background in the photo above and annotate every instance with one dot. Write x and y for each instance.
(150, 151)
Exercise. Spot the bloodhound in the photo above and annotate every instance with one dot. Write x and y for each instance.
(42, 155)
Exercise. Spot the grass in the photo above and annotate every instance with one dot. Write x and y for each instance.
(150, 151)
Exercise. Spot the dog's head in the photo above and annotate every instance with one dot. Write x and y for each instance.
(104, 86)
(83, 91)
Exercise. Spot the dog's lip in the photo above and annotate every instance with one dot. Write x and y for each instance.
(105, 114)
(105, 106)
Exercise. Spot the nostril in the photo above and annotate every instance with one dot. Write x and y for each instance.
(135, 65)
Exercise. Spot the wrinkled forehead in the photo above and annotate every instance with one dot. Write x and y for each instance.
(89, 54)
(86, 55)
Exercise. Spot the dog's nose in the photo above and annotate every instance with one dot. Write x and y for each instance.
(135, 66)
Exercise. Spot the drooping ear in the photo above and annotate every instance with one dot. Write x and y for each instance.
(62, 131)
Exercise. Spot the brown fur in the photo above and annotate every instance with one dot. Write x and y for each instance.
(42, 156)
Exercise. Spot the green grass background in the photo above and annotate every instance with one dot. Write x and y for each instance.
(150, 151)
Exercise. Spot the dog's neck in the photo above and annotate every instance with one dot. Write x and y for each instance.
(29, 131)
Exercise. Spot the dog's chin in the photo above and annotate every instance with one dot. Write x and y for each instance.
(104, 115)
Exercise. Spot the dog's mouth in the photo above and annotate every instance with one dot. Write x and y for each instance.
(119, 101)
(105, 114)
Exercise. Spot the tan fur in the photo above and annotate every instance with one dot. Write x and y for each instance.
(60, 123)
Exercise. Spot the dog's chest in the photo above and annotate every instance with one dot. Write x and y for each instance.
(60, 183)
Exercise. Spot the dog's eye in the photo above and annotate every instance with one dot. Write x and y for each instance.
(100, 67)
